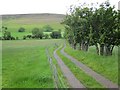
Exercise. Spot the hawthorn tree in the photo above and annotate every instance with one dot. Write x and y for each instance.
(37, 33)
(104, 27)
(93, 26)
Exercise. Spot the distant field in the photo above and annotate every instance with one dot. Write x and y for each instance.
(13, 23)
(25, 64)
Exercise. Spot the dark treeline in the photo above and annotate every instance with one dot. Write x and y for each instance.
(88, 26)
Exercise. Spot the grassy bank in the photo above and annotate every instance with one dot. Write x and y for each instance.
(85, 79)
(105, 65)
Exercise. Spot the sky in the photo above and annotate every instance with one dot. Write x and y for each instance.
(42, 6)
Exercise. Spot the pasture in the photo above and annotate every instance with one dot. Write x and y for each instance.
(25, 64)
(29, 22)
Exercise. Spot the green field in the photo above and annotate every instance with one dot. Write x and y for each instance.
(25, 64)
(30, 22)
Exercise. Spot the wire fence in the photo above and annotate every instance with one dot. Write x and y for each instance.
(56, 76)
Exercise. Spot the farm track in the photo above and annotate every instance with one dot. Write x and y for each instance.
(99, 78)
(72, 80)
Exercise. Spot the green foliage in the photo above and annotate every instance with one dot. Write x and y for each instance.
(55, 34)
(37, 33)
(87, 26)
(46, 36)
(7, 35)
(24, 37)
(106, 66)
(21, 29)
(47, 28)
(31, 22)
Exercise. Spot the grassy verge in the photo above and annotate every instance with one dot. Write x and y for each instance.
(88, 81)
(105, 65)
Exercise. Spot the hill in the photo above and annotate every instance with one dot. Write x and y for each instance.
(30, 21)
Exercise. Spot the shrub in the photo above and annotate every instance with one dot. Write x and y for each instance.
(37, 33)
(12, 38)
(24, 37)
(46, 36)
(47, 28)
(17, 38)
(21, 29)
(55, 34)
(29, 36)
(7, 35)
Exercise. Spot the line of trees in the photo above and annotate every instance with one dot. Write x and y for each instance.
(88, 26)
(37, 33)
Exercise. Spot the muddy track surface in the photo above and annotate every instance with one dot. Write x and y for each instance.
(99, 78)
(72, 80)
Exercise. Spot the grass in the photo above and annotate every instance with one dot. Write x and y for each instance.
(31, 22)
(0, 64)
(25, 65)
(105, 65)
(85, 79)
(62, 79)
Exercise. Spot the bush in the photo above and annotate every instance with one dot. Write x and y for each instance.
(46, 36)
(0, 38)
(7, 35)
(24, 37)
(21, 29)
(12, 38)
(29, 36)
(17, 38)
(55, 34)
(37, 33)
(47, 28)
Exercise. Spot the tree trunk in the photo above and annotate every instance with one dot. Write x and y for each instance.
(74, 44)
(82, 45)
(86, 47)
(97, 48)
(111, 50)
(79, 46)
(102, 49)
(108, 50)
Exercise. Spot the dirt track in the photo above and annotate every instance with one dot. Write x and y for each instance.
(102, 80)
(72, 80)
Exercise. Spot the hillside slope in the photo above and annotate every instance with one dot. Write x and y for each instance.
(30, 21)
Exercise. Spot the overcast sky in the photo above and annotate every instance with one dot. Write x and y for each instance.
(42, 6)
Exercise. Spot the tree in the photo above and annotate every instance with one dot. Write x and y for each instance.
(55, 34)
(7, 35)
(77, 25)
(24, 37)
(93, 26)
(37, 33)
(46, 36)
(29, 36)
(104, 26)
(21, 29)
(47, 28)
